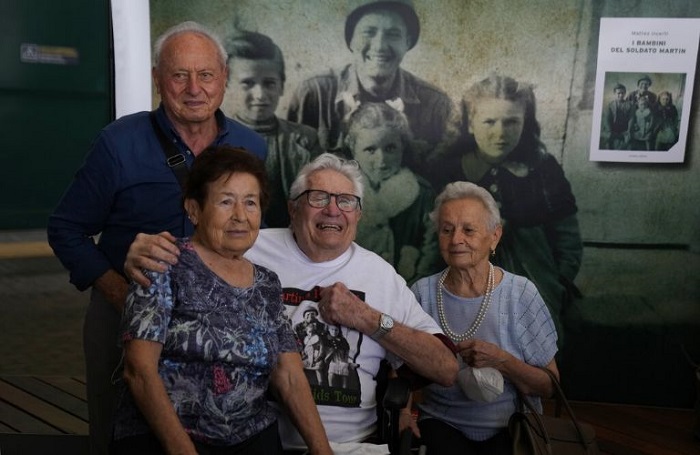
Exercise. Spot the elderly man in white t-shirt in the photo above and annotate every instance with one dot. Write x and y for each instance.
(321, 267)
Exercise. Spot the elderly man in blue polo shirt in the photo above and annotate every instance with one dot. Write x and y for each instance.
(126, 186)
(379, 34)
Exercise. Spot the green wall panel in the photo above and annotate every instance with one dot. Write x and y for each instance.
(55, 95)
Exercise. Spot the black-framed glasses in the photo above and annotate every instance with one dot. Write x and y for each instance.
(320, 199)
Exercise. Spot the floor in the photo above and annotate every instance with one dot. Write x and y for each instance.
(41, 323)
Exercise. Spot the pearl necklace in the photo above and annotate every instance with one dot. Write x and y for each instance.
(479, 316)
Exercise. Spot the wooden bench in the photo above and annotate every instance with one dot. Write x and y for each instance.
(43, 415)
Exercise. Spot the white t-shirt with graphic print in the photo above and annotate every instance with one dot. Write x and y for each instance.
(347, 405)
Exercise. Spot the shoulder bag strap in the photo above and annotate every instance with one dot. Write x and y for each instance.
(175, 159)
(561, 401)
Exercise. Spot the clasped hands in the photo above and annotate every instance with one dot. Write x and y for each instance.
(481, 354)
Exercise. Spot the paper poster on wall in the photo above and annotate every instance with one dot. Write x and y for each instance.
(644, 88)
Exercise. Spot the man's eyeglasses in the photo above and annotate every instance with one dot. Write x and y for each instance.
(319, 199)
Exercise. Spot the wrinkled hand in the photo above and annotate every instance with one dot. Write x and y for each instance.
(340, 306)
(150, 252)
(480, 354)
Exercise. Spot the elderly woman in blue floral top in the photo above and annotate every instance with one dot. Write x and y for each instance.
(206, 339)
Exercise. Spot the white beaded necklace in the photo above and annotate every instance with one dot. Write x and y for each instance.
(479, 316)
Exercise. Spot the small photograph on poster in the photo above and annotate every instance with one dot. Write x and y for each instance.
(644, 84)
(642, 112)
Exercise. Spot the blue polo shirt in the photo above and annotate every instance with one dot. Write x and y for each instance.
(125, 187)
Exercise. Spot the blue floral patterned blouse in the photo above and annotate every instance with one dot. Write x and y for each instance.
(220, 344)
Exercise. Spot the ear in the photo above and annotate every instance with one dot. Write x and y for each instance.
(193, 211)
(497, 233)
(154, 76)
(291, 209)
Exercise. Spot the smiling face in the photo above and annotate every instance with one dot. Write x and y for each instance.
(463, 234)
(497, 125)
(379, 42)
(229, 221)
(324, 233)
(190, 78)
(379, 152)
(256, 87)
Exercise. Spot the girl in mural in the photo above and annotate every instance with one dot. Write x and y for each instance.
(667, 122)
(396, 202)
(498, 147)
(257, 76)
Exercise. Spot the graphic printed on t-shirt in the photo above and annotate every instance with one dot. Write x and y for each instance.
(328, 352)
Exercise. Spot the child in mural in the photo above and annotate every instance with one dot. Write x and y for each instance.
(642, 126)
(336, 354)
(616, 121)
(498, 147)
(396, 202)
(257, 76)
(667, 122)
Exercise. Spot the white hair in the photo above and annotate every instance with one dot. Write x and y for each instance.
(188, 27)
(468, 190)
(348, 168)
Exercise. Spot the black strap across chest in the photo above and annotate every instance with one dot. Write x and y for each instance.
(175, 159)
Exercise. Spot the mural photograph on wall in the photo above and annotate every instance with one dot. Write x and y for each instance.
(645, 73)
(400, 103)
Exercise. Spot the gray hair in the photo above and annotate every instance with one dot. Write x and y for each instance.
(468, 190)
(348, 168)
(188, 27)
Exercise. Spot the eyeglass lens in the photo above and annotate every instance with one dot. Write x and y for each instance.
(320, 199)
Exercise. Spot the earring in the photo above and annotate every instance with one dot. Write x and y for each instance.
(493, 252)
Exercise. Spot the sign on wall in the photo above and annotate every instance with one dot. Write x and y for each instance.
(646, 69)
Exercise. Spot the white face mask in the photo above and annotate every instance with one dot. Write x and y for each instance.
(480, 384)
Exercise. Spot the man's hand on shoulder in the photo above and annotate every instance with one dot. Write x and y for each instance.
(150, 252)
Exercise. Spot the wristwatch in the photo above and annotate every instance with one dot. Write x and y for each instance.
(386, 323)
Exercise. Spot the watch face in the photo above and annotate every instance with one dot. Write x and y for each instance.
(387, 322)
